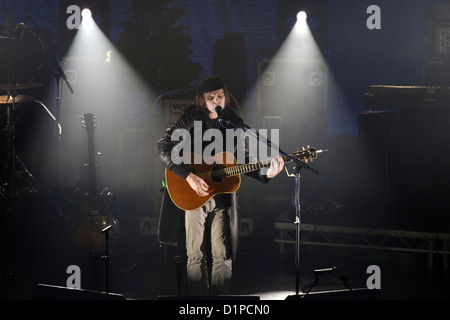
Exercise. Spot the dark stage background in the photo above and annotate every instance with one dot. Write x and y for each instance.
(386, 167)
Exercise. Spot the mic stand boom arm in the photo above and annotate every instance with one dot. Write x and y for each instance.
(298, 166)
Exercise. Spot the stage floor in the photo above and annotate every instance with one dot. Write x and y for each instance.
(35, 249)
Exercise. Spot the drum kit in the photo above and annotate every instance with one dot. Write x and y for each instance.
(9, 189)
(13, 94)
(24, 196)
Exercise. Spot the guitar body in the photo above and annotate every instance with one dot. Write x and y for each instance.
(94, 216)
(185, 198)
(221, 173)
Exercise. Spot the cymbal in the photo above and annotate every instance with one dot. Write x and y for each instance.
(6, 37)
(18, 99)
(19, 86)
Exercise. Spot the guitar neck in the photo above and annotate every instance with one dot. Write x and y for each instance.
(91, 168)
(250, 167)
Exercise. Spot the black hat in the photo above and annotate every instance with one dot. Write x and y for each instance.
(211, 83)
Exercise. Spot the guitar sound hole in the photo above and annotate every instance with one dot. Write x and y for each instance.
(217, 174)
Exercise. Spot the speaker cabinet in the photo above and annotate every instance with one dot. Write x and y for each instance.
(410, 151)
(293, 97)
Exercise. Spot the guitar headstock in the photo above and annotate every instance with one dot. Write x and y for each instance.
(88, 122)
(309, 153)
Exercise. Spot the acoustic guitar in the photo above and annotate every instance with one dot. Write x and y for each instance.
(95, 216)
(221, 172)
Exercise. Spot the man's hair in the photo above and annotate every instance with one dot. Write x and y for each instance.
(210, 84)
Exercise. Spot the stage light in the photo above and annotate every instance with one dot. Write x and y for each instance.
(87, 22)
(301, 16)
(86, 13)
(106, 86)
(301, 27)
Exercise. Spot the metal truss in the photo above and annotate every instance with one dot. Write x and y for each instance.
(369, 238)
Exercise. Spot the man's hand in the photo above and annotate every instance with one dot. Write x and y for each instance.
(276, 165)
(197, 184)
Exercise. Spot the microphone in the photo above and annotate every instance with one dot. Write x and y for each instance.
(233, 118)
(327, 271)
(27, 17)
(229, 117)
(219, 112)
(106, 229)
(17, 26)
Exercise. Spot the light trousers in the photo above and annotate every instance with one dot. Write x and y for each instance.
(208, 228)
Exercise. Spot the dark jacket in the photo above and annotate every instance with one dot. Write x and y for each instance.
(165, 146)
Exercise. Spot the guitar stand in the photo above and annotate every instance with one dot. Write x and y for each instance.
(105, 258)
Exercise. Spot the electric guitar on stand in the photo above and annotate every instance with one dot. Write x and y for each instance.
(95, 217)
(221, 173)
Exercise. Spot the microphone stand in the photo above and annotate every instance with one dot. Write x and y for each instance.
(315, 281)
(60, 76)
(297, 227)
(344, 279)
(298, 166)
(105, 258)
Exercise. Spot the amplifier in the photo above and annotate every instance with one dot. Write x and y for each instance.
(399, 97)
